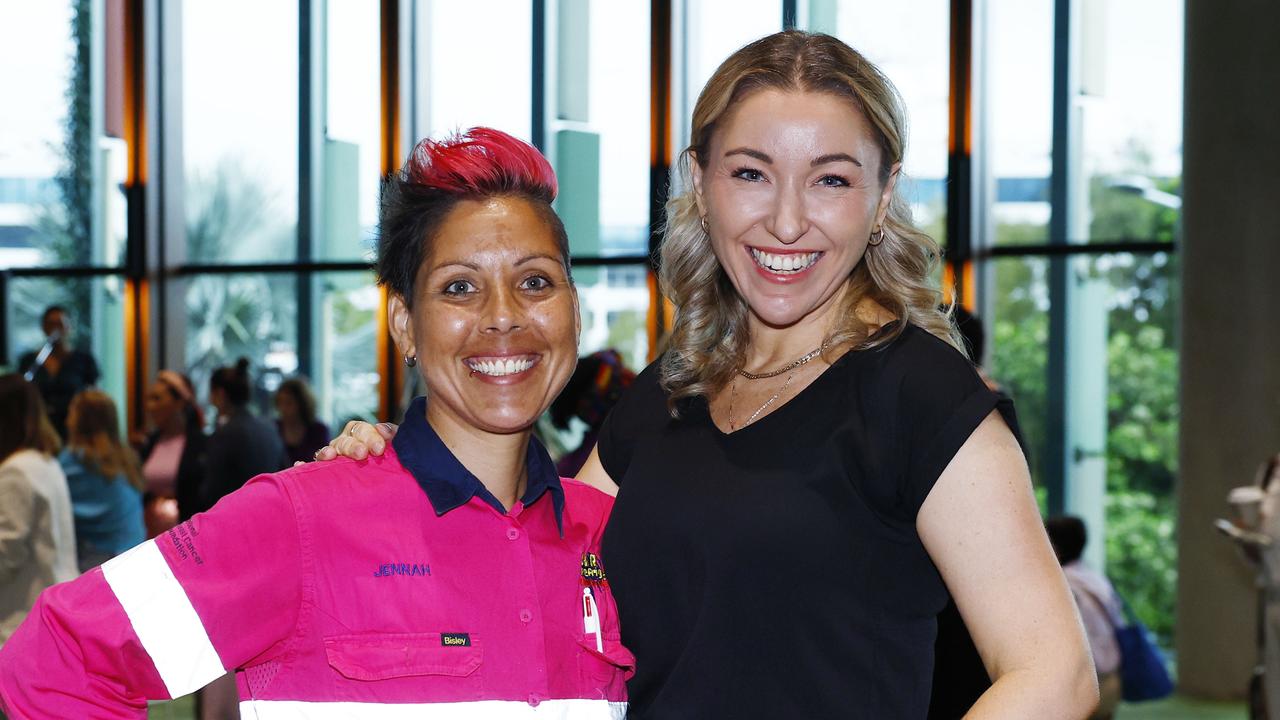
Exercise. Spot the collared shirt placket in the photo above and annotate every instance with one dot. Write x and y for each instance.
(530, 608)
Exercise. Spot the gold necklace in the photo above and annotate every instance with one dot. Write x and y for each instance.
(775, 373)
(733, 393)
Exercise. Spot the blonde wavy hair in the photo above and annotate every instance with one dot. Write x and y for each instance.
(709, 335)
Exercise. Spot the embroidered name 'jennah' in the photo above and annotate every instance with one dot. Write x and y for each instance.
(407, 569)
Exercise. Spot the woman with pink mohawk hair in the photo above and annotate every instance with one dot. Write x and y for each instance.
(456, 575)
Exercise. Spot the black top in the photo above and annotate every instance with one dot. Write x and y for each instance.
(78, 371)
(314, 437)
(776, 571)
(238, 450)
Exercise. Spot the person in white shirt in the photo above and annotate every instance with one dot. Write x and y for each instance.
(37, 533)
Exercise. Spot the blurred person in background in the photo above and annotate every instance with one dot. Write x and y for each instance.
(1099, 605)
(172, 452)
(1267, 522)
(37, 536)
(58, 369)
(302, 433)
(105, 480)
(242, 444)
(594, 388)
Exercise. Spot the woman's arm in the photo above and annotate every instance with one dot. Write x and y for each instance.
(163, 619)
(593, 474)
(981, 526)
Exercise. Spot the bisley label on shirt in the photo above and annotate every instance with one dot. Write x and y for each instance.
(455, 639)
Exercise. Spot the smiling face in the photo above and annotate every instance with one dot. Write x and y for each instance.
(791, 192)
(494, 319)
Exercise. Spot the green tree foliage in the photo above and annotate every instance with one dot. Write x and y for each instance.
(1142, 377)
(229, 316)
(64, 227)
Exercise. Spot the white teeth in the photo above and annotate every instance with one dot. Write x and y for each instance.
(789, 263)
(498, 368)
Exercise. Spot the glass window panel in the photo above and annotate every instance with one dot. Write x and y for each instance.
(352, 143)
(345, 374)
(713, 30)
(240, 130)
(615, 310)
(1018, 134)
(1017, 329)
(1138, 307)
(1132, 118)
(242, 315)
(909, 41)
(619, 113)
(53, 162)
(599, 137)
(465, 88)
(95, 307)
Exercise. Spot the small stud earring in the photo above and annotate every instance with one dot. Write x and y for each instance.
(410, 360)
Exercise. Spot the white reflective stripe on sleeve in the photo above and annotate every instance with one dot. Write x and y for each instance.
(162, 616)
(479, 710)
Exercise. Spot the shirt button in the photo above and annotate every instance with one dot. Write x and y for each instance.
(513, 534)
(525, 616)
(534, 699)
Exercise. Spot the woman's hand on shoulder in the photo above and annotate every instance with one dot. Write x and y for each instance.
(982, 528)
(358, 441)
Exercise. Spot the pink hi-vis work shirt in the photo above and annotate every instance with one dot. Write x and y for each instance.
(394, 587)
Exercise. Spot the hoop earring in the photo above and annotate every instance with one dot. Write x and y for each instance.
(410, 360)
(706, 227)
(874, 240)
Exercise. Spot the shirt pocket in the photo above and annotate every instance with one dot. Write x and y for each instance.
(384, 656)
(604, 663)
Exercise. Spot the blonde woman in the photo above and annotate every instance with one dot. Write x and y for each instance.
(812, 466)
(105, 479)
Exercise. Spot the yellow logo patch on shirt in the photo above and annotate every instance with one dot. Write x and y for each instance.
(592, 572)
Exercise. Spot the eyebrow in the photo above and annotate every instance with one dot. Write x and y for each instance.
(820, 160)
(472, 266)
(750, 153)
(834, 157)
(458, 263)
(537, 256)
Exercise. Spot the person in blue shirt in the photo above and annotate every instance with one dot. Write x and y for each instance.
(105, 480)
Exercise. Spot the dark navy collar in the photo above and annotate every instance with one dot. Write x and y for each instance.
(448, 484)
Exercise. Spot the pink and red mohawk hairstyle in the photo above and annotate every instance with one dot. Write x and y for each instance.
(482, 161)
(474, 165)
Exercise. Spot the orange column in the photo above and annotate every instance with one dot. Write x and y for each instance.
(391, 379)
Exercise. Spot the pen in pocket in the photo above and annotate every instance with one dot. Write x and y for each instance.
(591, 618)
